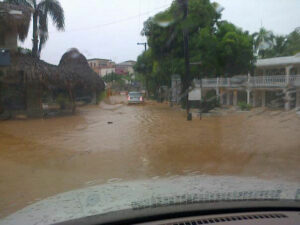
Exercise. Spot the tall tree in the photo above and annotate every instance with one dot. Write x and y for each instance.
(234, 51)
(279, 47)
(264, 39)
(144, 67)
(283, 45)
(41, 10)
(164, 33)
(220, 47)
(293, 42)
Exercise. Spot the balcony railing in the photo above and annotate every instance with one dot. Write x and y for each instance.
(276, 81)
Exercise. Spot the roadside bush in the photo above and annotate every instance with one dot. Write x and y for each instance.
(244, 106)
(209, 104)
(101, 96)
(206, 105)
(62, 101)
(25, 51)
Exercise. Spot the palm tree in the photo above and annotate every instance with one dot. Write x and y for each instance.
(263, 40)
(280, 45)
(41, 10)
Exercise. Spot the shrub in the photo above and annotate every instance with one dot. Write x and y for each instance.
(62, 100)
(244, 106)
(101, 96)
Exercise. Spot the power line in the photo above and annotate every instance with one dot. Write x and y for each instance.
(113, 22)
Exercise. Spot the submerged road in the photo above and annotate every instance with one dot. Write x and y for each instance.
(116, 142)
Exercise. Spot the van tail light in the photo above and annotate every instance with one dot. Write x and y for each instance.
(141, 98)
(128, 98)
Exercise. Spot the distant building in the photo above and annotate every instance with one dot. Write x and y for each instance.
(102, 66)
(125, 68)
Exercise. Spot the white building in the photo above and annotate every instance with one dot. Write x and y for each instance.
(102, 67)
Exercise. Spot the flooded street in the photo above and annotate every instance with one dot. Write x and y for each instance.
(117, 142)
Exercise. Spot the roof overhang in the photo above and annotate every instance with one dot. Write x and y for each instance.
(278, 61)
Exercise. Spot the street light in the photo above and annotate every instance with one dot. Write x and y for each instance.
(143, 43)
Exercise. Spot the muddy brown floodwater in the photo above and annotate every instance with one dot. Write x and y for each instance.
(43, 157)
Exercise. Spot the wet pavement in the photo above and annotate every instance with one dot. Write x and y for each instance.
(117, 142)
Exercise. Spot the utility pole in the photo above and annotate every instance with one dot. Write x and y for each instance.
(143, 43)
(186, 81)
(201, 93)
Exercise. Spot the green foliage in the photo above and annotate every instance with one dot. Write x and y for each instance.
(210, 102)
(220, 47)
(263, 40)
(112, 77)
(62, 100)
(293, 43)
(40, 11)
(24, 51)
(101, 97)
(244, 106)
(234, 50)
(282, 45)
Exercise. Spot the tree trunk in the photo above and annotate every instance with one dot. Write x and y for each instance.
(147, 88)
(186, 80)
(35, 41)
(1, 106)
(72, 98)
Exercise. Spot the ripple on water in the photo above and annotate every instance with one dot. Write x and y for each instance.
(114, 180)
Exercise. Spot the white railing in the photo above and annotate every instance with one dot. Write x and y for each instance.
(209, 82)
(280, 81)
(268, 81)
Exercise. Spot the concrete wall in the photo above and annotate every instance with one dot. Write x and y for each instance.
(105, 71)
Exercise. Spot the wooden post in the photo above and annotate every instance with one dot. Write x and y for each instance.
(298, 99)
(33, 97)
(235, 97)
(263, 98)
(248, 96)
(227, 97)
(221, 96)
(255, 98)
(287, 99)
(72, 98)
(218, 89)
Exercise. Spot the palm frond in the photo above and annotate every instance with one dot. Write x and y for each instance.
(43, 30)
(54, 9)
(23, 30)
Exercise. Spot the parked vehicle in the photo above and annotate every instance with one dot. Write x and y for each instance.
(135, 98)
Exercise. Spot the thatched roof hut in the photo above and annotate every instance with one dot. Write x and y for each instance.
(75, 69)
(15, 19)
(29, 78)
(33, 70)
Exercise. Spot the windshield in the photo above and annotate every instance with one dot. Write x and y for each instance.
(216, 114)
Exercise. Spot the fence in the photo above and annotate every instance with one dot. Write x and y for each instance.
(280, 81)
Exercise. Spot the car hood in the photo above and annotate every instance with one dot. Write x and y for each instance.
(116, 196)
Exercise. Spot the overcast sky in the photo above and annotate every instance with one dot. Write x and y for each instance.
(111, 28)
